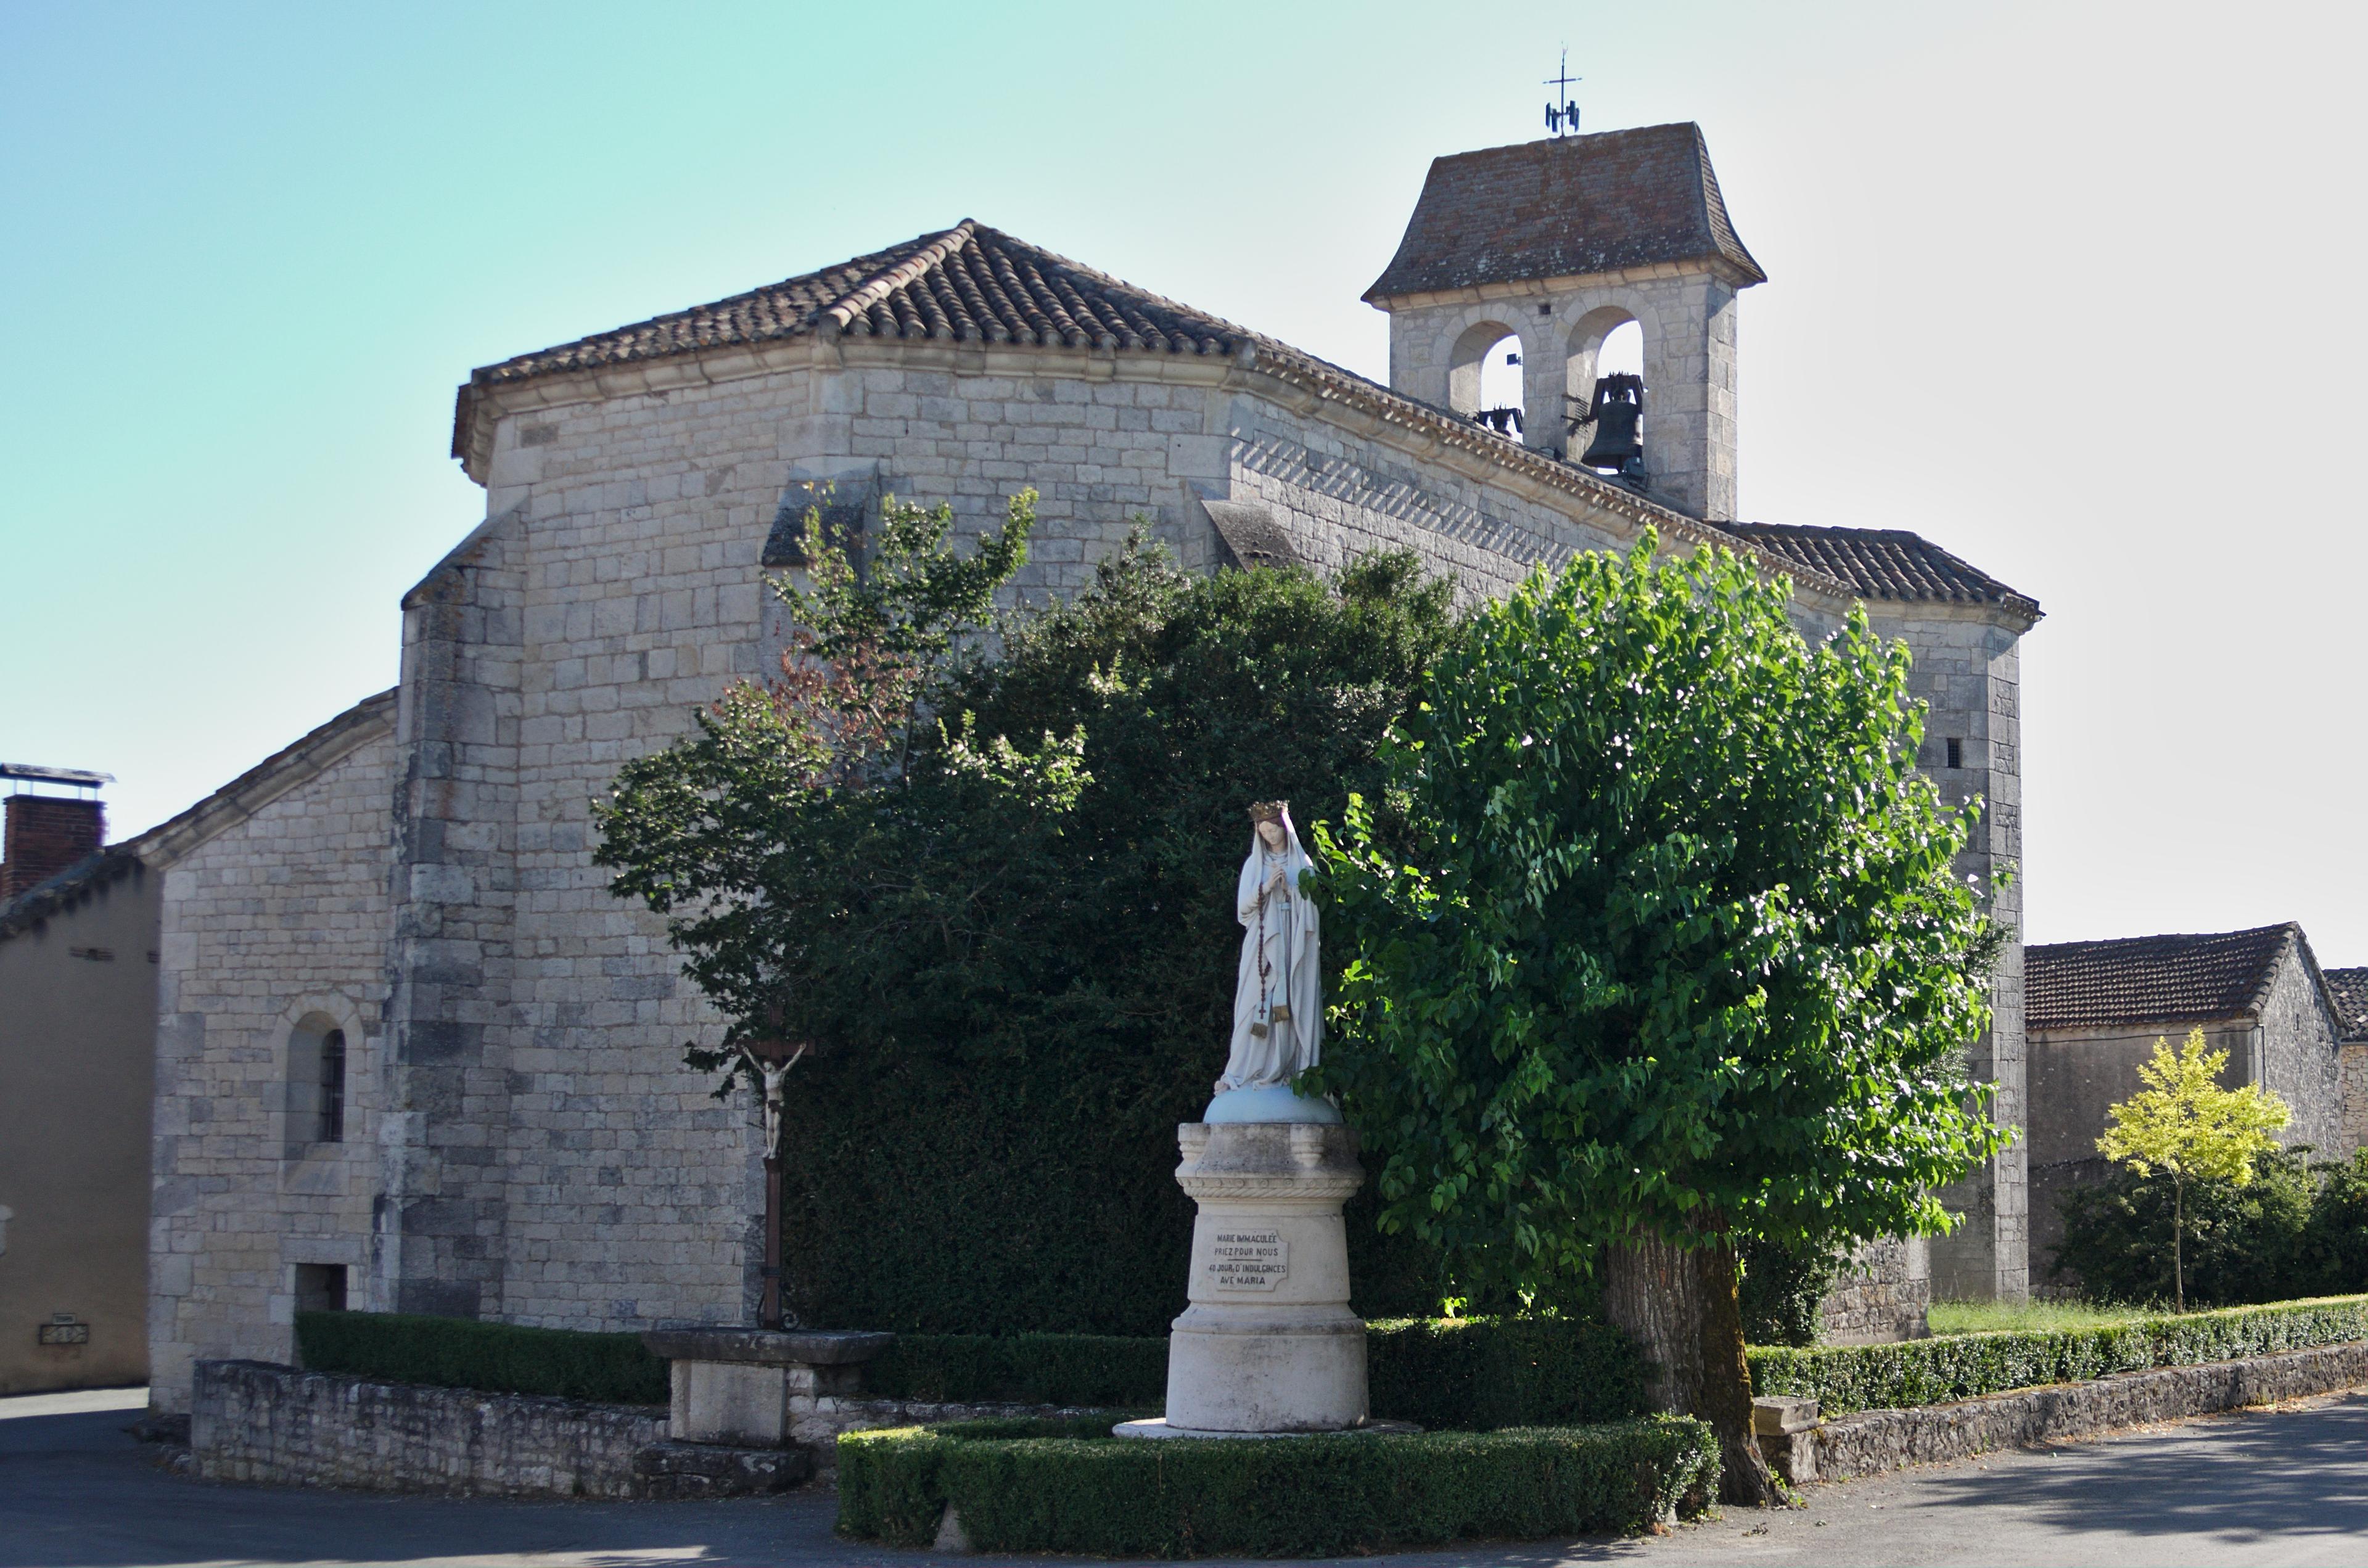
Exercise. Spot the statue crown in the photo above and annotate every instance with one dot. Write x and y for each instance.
(1267, 810)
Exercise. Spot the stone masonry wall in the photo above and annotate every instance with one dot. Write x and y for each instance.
(1687, 317)
(2075, 1076)
(256, 1422)
(280, 920)
(2296, 1056)
(2353, 1057)
(1967, 671)
(1341, 496)
(1883, 1297)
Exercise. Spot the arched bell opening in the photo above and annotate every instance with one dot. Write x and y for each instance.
(1484, 378)
(1603, 376)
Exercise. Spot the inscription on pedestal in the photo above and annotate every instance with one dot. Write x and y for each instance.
(1249, 1260)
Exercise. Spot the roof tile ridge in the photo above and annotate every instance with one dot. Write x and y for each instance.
(2160, 937)
(189, 824)
(1828, 531)
(2325, 991)
(933, 251)
(1193, 312)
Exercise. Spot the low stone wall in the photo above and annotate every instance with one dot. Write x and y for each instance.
(1878, 1440)
(250, 1421)
(1883, 1296)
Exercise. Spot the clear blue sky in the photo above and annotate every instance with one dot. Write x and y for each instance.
(2068, 288)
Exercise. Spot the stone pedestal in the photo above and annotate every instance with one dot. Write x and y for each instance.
(745, 1386)
(1268, 1344)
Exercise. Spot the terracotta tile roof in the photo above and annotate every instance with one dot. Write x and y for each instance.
(2150, 979)
(1883, 563)
(1564, 207)
(969, 283)
(972, 283)
(2347, 990)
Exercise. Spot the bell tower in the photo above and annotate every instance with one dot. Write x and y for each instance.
(1557, 244)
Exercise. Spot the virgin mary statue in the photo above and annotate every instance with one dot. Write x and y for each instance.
(1278, 991)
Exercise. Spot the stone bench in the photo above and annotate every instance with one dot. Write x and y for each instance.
(755, 1387)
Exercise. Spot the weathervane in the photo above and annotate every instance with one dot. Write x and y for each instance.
(1562, 110)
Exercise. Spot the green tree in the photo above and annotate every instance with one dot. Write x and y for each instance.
(760, 837)
(2334, 1243)
(2186, 1126)
(1676, 957)
(995, 895)
(2256, 1243)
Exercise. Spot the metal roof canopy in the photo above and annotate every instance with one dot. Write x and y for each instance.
(76, 777)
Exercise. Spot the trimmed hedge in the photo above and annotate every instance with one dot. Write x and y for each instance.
(1026, 1368)
(1844, 1378)
(460, 1353)
(1472, 1374)
(1033, 1487)
(1469, 1374)
(1480, 1374)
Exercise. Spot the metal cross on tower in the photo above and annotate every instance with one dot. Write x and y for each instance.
(1562, 110)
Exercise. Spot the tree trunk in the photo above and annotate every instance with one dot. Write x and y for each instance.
(1680, 1307)
(2178, 1245)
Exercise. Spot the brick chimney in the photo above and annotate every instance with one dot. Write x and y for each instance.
(46, 834)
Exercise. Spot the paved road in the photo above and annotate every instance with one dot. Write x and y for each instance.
(2283, 1487)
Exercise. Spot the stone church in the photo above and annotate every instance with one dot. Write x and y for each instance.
(413, 1055)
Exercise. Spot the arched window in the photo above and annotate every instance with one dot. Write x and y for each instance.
(1607, 341)
(1483, 377)
(1622, 353)
(316, 1085)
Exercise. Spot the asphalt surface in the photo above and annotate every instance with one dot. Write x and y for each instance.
(2288, 1486)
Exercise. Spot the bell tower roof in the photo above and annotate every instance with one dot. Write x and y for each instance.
(1567, 207)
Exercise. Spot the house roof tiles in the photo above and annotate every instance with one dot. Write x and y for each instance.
(2150, 980)
(2347, 989)
(1883, 563)
(975, 284)
(966, 284)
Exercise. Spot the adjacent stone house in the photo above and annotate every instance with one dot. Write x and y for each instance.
(2347, 990)
(78, 1027)
(2094, 1010)
(521, 1140)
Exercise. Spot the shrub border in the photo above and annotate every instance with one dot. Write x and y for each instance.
(491, 1357)
(1943, 1370)
(1046, 1487)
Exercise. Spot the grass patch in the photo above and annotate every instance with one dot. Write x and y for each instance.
(2027, 1317)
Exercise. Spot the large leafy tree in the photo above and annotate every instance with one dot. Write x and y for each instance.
(1676, 957)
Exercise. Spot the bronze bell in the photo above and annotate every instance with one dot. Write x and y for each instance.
(1617, 415)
